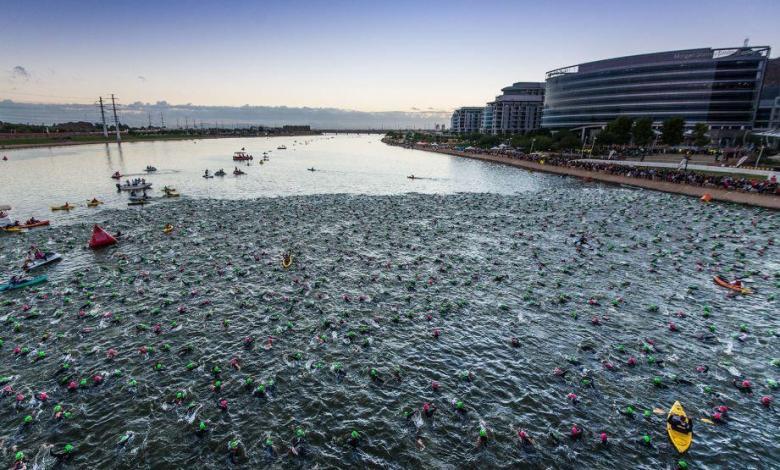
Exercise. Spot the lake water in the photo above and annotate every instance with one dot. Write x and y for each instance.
(137, 344)
(35, 179)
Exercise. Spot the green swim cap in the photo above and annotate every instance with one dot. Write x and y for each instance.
(41, 354)
(355, 435)
(57, 408)
(269, 442)
(19, 456)
(646, 439)
(374, 372)
(67, 449)
(202, 426)
(300, 432)
(459, 405)
(629, 410)
(657, 380)
(647, 413)
(682, 464)
(83, 382)
(233, 444)
(191, 365)
(27, 419)
(482, 432)
(132, 383)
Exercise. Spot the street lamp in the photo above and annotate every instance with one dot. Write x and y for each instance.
(533, 141)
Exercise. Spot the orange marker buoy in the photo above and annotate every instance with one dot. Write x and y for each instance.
(707, 197)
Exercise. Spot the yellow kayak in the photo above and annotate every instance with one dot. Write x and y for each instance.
(287, 261)
(13, 229)
(94, 203)
(65, 207)
(681, 440)
(168, 228)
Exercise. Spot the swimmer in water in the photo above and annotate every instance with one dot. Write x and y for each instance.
(429, 409)
(298, 443)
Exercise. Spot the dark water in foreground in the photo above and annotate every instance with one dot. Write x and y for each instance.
(373, 277)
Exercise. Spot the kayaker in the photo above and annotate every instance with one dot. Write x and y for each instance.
(680, 423)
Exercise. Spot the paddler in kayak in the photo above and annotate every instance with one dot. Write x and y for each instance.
(31, 220)
(680, 423)
(35, 253)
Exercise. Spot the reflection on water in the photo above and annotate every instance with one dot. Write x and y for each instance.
(34, 179)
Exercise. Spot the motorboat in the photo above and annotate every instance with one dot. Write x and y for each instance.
(150, 169)
(242, 156)
(134, 186)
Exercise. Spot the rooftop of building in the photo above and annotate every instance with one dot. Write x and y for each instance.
(666, 57)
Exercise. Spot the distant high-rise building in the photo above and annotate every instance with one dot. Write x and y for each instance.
(768, 115)
(466, 120)
(517, 110)
(716, 87)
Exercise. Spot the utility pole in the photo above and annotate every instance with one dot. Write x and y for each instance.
(186, 123)
(162, 120)
(116, 120)
(103, 117)
(150, 119)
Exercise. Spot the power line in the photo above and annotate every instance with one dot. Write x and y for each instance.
(116, 120)
(103, 117)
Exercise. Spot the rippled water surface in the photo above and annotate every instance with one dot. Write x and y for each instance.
(419, 287)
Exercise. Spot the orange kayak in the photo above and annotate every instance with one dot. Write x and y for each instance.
(40, 223)
(724, 283)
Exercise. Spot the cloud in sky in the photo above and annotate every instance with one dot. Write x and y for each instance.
(20, 74)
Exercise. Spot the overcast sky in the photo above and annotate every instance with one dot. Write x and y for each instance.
(409, 56)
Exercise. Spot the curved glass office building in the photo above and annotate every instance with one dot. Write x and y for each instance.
(718, 87)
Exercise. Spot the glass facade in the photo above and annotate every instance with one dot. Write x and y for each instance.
(718, 87)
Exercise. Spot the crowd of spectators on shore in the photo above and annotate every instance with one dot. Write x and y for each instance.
(671, 175)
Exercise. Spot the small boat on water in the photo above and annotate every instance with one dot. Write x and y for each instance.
(207, 175)
(134, 186)
(94, 202)
(64, 207)
(170, 192)
(311, 169)
(150, 169)
(219, 172)
(412, 177)
(242, 156)
(48, 258)
(281, 147)
(32, 223)
(21, 283)
(238, 172)
(116, 175)
(736, 286)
